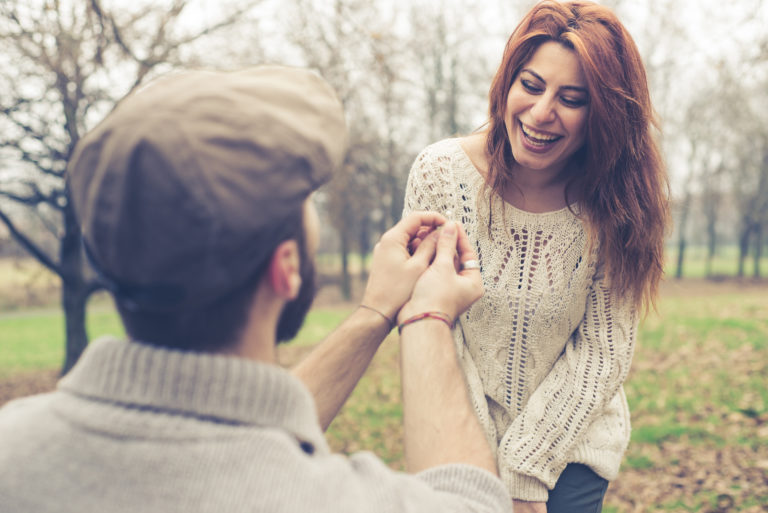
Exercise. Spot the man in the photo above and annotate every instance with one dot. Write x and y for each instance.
(193, 197)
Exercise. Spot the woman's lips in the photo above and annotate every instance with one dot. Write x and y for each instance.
(537, 141)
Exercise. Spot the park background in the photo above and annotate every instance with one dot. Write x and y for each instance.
(410, 73)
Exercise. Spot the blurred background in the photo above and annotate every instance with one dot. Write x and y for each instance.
(410, 73)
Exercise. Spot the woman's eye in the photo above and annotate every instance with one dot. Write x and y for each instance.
(573, 102)
(530, 86)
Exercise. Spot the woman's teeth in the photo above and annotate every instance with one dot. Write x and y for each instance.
(537, 137)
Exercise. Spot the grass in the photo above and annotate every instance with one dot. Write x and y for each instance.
(34, 339)
(699, 403)
(319, 323)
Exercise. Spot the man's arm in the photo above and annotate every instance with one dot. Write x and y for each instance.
(333, 369)
(440, 423)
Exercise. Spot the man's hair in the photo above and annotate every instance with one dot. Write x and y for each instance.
(220, 324)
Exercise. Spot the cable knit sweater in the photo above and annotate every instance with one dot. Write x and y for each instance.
(134, 428)
(547, 348)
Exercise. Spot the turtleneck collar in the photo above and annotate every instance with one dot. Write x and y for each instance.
(220, 388)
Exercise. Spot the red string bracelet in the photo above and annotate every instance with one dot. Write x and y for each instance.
(440, 316)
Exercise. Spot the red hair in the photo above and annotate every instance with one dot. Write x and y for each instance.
(622, 184)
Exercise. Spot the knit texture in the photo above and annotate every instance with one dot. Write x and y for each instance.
(138, 428)
(547, 348)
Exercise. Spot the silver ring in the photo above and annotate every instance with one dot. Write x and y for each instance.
(470, 264)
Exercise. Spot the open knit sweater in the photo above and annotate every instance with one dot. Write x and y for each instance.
(134, 428)
(547, 348)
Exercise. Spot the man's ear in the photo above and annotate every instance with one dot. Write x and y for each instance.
(284, 274)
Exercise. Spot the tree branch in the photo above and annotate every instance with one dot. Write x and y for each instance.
(30, 246)
(34, 160)
(55, 154)
(37, 197)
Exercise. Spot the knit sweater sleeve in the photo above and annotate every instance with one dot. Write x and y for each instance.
(587, 375)
(456, 488)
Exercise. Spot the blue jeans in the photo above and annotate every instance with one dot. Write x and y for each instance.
(578, 490)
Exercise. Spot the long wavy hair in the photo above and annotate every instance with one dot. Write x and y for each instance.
(622, 185)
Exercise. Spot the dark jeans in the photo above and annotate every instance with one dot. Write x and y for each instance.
(578, 490)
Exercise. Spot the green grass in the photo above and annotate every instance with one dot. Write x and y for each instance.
(319, 323)
(699, 403)
(34, 339)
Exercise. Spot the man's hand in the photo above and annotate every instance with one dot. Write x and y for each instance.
(394, 270)
(442, 288)
(529, 507)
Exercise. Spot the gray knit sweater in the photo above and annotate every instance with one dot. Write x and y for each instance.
(135, 428)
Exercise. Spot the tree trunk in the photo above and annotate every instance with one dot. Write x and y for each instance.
(758, 250)
(74, 291)
(398, 199)
(74, 300)
(711, 213)
(743, 247)
(346, 282)
(711, 250)
(682, 241)
(365, 246)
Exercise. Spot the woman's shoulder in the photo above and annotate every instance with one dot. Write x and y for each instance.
(452, 156)
(440, 150)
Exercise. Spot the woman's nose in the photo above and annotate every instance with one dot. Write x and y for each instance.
(543, 110)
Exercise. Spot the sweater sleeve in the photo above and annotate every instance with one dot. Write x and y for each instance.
(446, 488)
(587, 375)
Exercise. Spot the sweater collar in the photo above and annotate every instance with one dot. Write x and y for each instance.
(220, 388)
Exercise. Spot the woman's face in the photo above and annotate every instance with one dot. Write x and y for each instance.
(547, 109)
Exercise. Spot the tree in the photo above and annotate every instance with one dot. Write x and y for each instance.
(65, 64)
(348, 43)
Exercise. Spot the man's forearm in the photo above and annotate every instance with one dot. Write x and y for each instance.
(440, 424)
(331, 371)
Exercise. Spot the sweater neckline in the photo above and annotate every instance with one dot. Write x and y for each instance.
(219, 388)
(477, 177)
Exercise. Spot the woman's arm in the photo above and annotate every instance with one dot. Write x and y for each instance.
(535, 448)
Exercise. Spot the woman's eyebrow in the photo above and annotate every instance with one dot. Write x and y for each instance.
(577, 89)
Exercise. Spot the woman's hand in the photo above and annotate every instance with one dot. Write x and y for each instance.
(529, 507)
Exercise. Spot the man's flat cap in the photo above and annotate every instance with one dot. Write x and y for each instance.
(180, 189)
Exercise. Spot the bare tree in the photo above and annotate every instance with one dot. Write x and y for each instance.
(66, 63)
(350, 43)
(705, 166)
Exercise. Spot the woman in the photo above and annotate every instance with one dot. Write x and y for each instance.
(564, 196)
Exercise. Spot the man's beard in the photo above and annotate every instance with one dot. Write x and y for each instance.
(294, 312)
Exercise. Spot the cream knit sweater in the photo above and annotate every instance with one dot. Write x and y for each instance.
(547, 348)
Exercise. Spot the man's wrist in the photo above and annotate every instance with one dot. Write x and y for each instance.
(390, 321)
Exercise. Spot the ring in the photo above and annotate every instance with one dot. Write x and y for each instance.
(470, 264)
